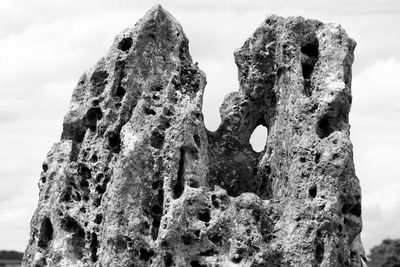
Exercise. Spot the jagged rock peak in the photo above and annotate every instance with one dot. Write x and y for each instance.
(137, 179)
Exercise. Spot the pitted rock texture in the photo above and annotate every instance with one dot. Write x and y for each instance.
(137, 179)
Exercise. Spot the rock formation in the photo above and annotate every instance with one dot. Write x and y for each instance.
(137, 179)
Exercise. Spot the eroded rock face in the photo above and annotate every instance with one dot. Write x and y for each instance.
(137, 180)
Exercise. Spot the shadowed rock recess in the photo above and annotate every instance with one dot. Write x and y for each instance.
(137, 179)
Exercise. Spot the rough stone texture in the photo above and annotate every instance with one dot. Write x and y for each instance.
(137, 180)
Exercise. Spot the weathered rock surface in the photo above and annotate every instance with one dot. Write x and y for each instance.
(137, 180)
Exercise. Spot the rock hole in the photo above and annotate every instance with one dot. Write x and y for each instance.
(258, 138)
(180, 180)
(307, 70)
(145, 254)
(204, 215)
(125, 44)
(149, 111)
(94, 158)
(236, 258)
(313, 191)
(156, 209)
(155, 185)
(99, 177)
(215, 201)
(84, 171)
(120, 92)
(356, 210)
(114, 142)
(196, 263)
(100, 189)
(77, 241)
(84, 184)
(99, 80)
(319, 253)
(155, 227)
(216, 239)
(193, 183)
(208, 253)
(317, 158)
(45, 167)
(186, 239)
(98, 219)
(92, 116)
(310, 49)
(324, 127)
(45, 233)
(196, 139)
(168, 261)
(157, 140)
(94, 243)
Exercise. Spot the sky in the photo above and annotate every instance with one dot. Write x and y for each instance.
(45, 45)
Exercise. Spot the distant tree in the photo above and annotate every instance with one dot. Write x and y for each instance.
(10, 255)
(386, 254)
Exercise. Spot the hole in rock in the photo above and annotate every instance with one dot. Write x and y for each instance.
(92, 116)
(168, 261)
(317, 157)
(149, 111)
(258, 138)
(145, 254)
(186, 239)
(99, 80)
(114, 142)
(156, 209)
(69, 224)
(204, 215)
(319, 253)
(310, 49)
(157, 140)
(196, 263)
(93, 247)
(120, 92)
(208, 253)
(98, 219)
(125, 44)
(94, 158)
(197, 140)
(324, 127)
(307, 70)
(84, 171)
(45, 167)
(313, 191)
(356, 210)
(180, 180)
(45, 233)
(155, 185)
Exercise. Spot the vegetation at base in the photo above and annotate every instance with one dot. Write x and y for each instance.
(386, 254)
(10, 255)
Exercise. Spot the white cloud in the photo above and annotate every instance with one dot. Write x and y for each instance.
(375, 121)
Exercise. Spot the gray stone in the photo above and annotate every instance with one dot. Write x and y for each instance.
(137, 179)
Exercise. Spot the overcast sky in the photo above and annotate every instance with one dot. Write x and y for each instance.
(46, 45)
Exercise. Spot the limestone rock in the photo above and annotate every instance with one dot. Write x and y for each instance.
(137, 180)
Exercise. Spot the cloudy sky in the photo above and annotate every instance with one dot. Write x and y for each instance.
(46, 45)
